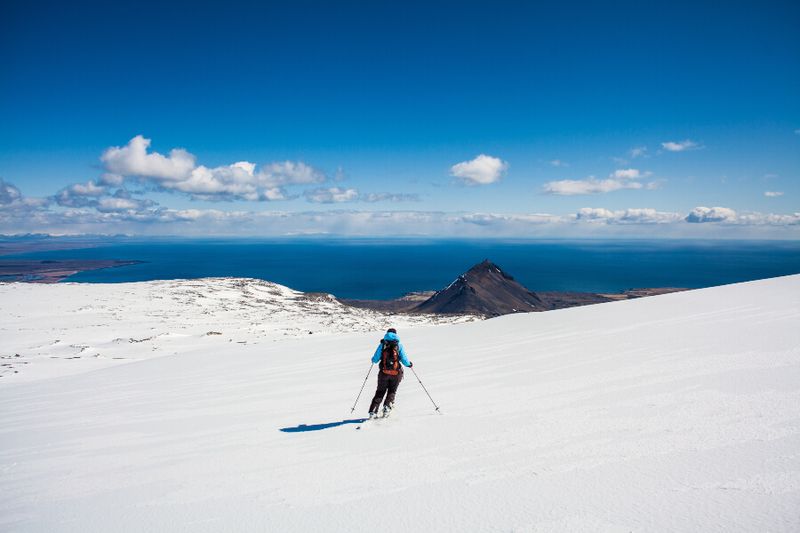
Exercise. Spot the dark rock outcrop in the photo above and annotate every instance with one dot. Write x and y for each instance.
(483, 290)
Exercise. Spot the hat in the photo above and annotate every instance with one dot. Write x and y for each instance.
(391, 330)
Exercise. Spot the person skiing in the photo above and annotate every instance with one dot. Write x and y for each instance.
(391, 358)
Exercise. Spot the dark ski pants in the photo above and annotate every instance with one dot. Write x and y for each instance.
(386, 385)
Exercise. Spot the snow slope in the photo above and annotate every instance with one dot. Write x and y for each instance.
(672, 413)
(74, 327)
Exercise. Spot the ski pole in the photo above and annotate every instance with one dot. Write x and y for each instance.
(426, 390)
(362, 388)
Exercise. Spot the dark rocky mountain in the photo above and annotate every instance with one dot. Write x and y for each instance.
(488, 291)
(483, 290)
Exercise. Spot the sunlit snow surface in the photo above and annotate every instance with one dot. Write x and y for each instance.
(67, 328)
(671, 413)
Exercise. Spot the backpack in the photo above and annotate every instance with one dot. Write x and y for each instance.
(390, 357)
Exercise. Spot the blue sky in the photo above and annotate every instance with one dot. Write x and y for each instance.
(474, 119)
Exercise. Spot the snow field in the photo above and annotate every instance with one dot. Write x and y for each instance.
(53, 330)
(678, 412)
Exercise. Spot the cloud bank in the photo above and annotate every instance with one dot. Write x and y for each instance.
(627, 216)
(109, 204)
(178, 172)
(627, 178)
(81, 209)
(331, 195)
(711, 214)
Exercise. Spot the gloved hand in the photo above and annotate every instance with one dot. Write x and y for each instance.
(410, 364)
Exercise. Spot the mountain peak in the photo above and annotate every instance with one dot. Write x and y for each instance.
(483, 266)
(485, 290)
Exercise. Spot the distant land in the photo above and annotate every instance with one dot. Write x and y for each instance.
(51, 271)
(37, 242)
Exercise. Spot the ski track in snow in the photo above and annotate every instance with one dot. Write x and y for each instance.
(678, 412)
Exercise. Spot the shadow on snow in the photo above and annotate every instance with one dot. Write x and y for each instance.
(317, 427)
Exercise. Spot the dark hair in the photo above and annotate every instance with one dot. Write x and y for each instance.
(391, 330)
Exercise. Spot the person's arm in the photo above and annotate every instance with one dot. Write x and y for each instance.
(403, 359)
(377, 356)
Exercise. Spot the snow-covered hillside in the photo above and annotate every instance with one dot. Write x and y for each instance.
(73, 327)
(672, 413)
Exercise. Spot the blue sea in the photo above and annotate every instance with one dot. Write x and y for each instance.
(382, 269)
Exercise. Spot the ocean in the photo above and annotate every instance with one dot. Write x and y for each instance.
(382, 269)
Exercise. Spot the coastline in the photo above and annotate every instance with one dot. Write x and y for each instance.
(53, 271)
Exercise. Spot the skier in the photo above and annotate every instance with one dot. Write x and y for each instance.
(391, 355)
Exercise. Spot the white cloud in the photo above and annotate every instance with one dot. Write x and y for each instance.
(290, 173)
(119, 203)
(109, 178)
(773, 194)
(80, 194)
(711, 214)
(242, 180)
(133, 160)
(16, 208)
(331, 195)
(558, 163)
(588, 186)
(490, 219)
(680, 146)
(618, 180)
(178, 172)
(341, 195)
(721, 215)
(9, 193)
(238, 181)
(373, 197)
(627, 216)
(90, 188)
(638, 151)
(768, 219)
(628, 174)
(482, 170)
(594, 213)
(100, 197)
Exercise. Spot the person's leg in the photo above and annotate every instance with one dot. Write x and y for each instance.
(379, 392)
(394, 382)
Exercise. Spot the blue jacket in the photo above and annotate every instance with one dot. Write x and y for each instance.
(391, 337)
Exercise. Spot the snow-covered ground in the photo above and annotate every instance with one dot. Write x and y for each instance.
(52, 330)
(672, 413)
